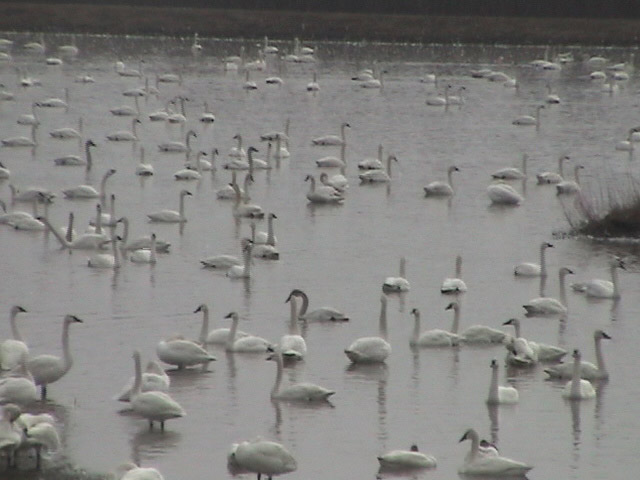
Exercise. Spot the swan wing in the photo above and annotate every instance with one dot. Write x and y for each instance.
(368, 350)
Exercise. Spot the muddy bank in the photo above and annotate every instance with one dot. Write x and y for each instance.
(314, 26)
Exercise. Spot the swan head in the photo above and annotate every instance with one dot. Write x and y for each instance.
(566, 271)
(68, 319)
(345, 125)
(415, 312)
(453, 168)
(414, 448)
(512, 321)
(252, 149)
(468, 435)
(233, 315)
(599, 334)
(192, 133)
(576, 354)
(17, 309)
(308, 177)
(185, 192)
(90, 143)
(110, 172)
(452, 306)
(201, 308)
(494, 364)
(272, 215)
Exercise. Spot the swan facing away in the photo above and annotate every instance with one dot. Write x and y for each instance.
(263, 457)
(588, 370)
(399, 283)
(322, 314)
(47, 369)
(502, 194)
(406, 459)
(578, 388)
(295, 392)
(528, 269)
(478, 463)
(497, 393)
(441, 188)
(372, 349)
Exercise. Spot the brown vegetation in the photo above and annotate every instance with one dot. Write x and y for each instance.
(85, 18)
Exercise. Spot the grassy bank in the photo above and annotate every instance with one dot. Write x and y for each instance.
(314, 26)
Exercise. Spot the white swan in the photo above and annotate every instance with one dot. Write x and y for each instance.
(266, 251)
(497, 393)
(475, 334)
(332, 139)
(67, 133)
(86, 241)
(39, 433)
(378, 176)
(264, 458)
(552, 98)
(106, 260)
(267, 237)
(242, 208)
(293, 345)
(19, 386)
(333, 162)
(598, 288)
(553, 177)
(105, 219)
(295, 392)
(338, 181)
(528, 269)
(224, 262)
(588, 370)
(140, 242)
(124, 71)
(441, 188)
(578, 388)
(322, 194)
(125, 135)
(29, 118)
(73, 160)
(207, 115)
(372, 163)
(154, 406)
(248, 83)
(502, 194)
(525, 120)
(217, 336)
(313, 85)
(542, 351)
(455, 284)
(12, 350)
(432, 338)
(478, 463)
(406, 459)
(246, 344)
(88, 191)
(30, 194)
(144, 169)
(511, 173)
(8, 218)
(399, 283)
(144, 255)
(237, 151)
(323, 314)
(131, 471)
(171, 216)
(567, 187)
(55, 102)
(178, 147)
(542, 306)
(374, 82)
(127, 110)
(154, 379)
(187, 173)
(21, 141)
(372, 349)
(183, 353)
(10, 436)
(244, 270)
(48, 369)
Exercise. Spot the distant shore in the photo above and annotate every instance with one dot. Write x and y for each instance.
(124, 20)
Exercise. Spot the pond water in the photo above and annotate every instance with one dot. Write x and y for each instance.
(338, 254)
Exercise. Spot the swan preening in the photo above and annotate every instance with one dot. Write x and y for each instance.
(372, 349)
(296, 392)
(406, 459)
(578, 388)
(263, 457)
(441, 188)
(323, 314)
(499, 394)
(155, 406)
(399, 283)
(543, 306)
(478, 462)
(48, 369)
(588, 370)
(534, 269)
(72, 160)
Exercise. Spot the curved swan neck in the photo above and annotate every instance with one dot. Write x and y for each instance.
(383, 317)
(305, 303)
(103, 183)
(516, 324)
(125, 232)
(475, 442)
(204, 329)
(560, 165)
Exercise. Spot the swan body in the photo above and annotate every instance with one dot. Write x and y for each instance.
(338, 181)
(478, 463)
(588, 370)
(188, 173)
(125, 135)
(267, 237)
(242, 208)
(86, 241)
(397, 284)
(531, 352)
(264, 458)
(542, 306)
(246, 344)
(106, 260)
(178, 147)
(48, 369)
(512, 173)
(313, 85)
(503, 194)
(534, 269)
(171, 216)
(323, 314)
(244, 270)
(525, 120)
(154, 379)
(182, 353)
(88, 191)
(454, 284)
(153, 405)
(568, 187)
(67, 133)
(75, 160)
(578, 388)
(406, 459)
(130, 471)
(222, 262)
(19, 386)
(431, 338)
(598, 288)
(553, 177)
(296, 392)
(39, 433)
(29, 118)
(332, 139)
(293, 345)
(499, 394)
(217, 336)
(144, 255)
(372, 163)
(12, 350)
(441, 188)
(322, 194)
(21, 141)
(378, 176)
(144, 169)
(372, 349)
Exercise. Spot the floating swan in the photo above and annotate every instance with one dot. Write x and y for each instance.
(322, 194)
(534, 269)
(502, 194)
(475, 334)
(525, 120)
(29, 118)
(331, 161)
(372, 349)
(67, 133)
(207, 116)
(553, 177)
(332, 139)
(293, 345)
(154, 406)
(106, 260)
(511, 173)
(55, 102)
(143, 255)
(21, 141)
(171, 216)
(378, 176)
(431, 338)
(406, 459)
(477, 463)
(264, 458)
(88, 191)
(73, 160)
(237, 151)
(179, 147)
(372, 163)
(541, 351)
(547, 305)
(127, 110)
(296, 392)
(12, 350)
(499, 394)
(242, 208)
(131, 471)
(267, 237)
(143, 168)
(140, 242)
(399, 283)
(224, 262)
(247, 344)
(154, 379)
(183, 353)
(578, 388)
(125, 135)
(588, 370)
(455, 284)
(313, 85)
(48, 369)
(188, 173)
(266, 251)
(323, 314)
(567, 187)
(217, 336)
(86, 241)
(440, 188)
(244, 270)
(598, 288)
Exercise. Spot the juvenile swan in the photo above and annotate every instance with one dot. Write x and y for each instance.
(322, 314)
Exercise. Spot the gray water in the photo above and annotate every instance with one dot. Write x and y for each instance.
(339, 255)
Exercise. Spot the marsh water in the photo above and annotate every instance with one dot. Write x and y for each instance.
(338, 254)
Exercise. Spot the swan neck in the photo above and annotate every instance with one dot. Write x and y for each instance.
(125, 232)
(232, 332)
(270, 235)
(68, 360)
(312, 183)
(69, 236)
(14, 327)
(103, 183)
(305, 304)
(63, 241)
(276, 385)
(458, 266)
(575, 378)
(543, 263)
(599, 357)
(205, 324)
(524, 163)
(383, 320)
(493, 386)
(416, 328)
(560, 166)
(116, 254)
(137, 383)
(475, 444)
(456, 320)
(294, 329)
(87, 154)
(516, 325)
(98, 220)
(563, 290)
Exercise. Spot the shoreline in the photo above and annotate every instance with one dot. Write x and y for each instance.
(314, 26)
